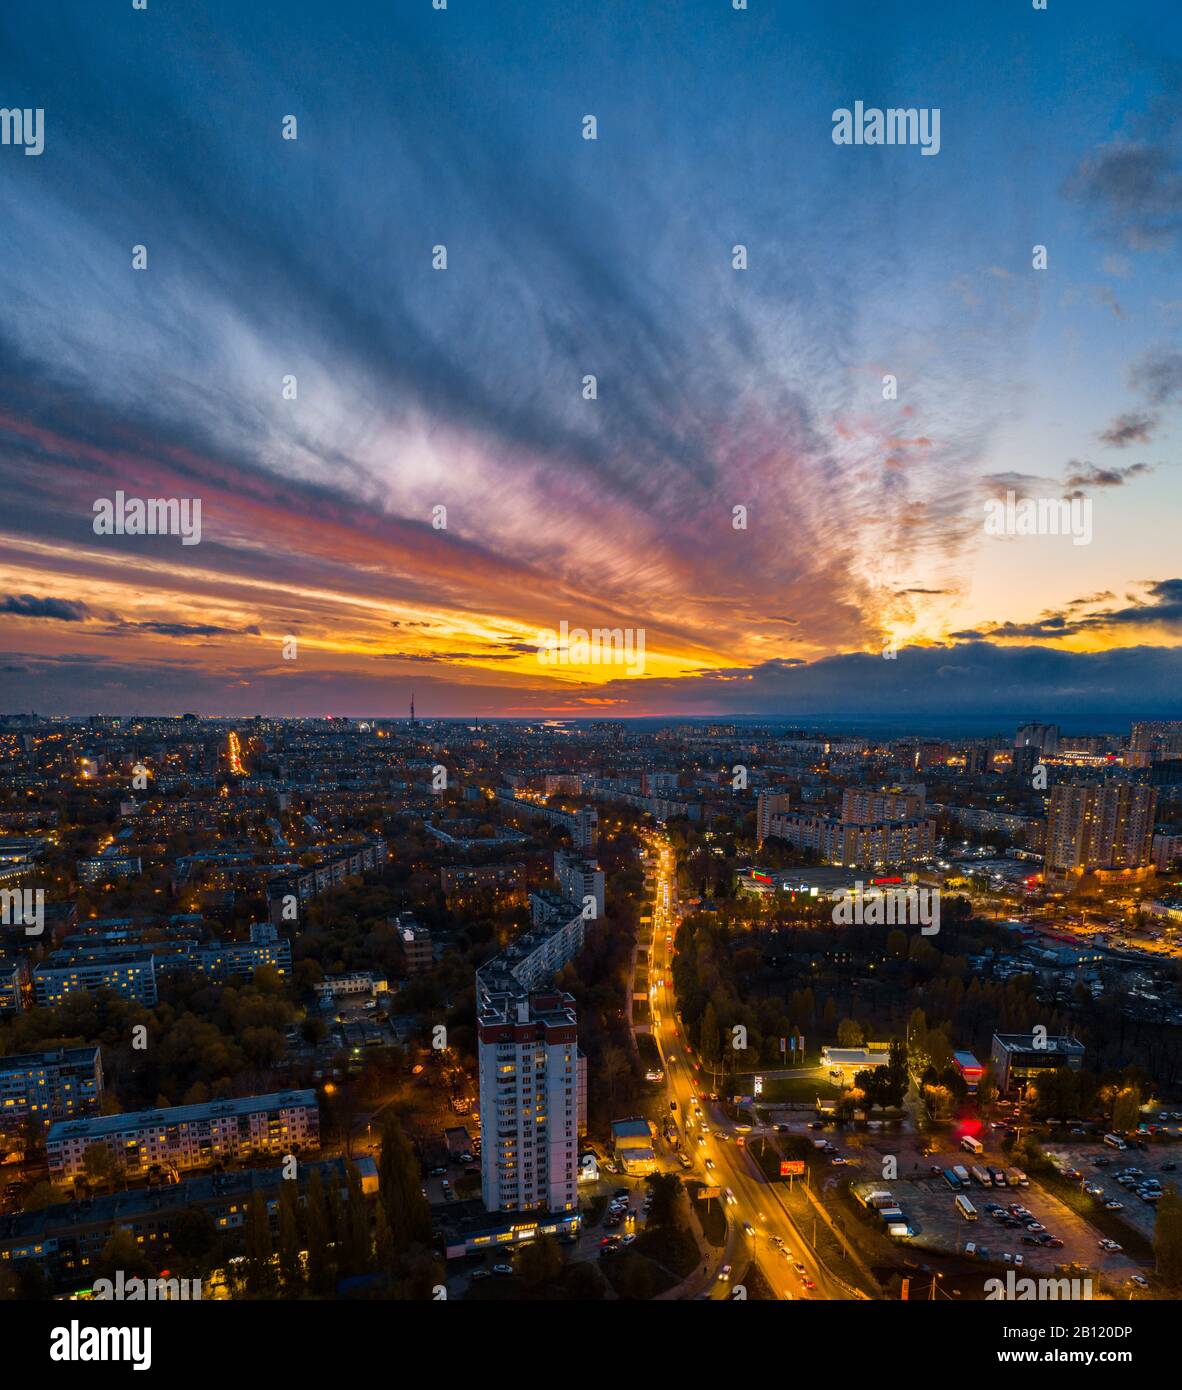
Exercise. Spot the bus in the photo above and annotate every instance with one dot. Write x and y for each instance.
(962, 1174)
(1017, 1178)
(998, 1175)
(951, 1179)
(981, 1175)
(1114, 1141)
(971, 1145)
(966, 1208)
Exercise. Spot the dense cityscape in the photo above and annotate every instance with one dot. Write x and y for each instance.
(590, 681)
(570, 1010)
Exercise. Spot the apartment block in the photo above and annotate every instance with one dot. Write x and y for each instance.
(48, 1086)
(1099, 826)
(529, 1101)
(129, 973)
(189, 1136)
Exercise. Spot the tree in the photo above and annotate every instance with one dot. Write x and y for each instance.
(358, 1248)
(260, 1274)
(539, 1264)
(291, 1270)
(123, 1253)
(849, 1033)
(1167, 1236)
(401, 1187)
(316, 1237)
(194, 1238)
(1126, 1110)
(100, 1165)
(709, 1036)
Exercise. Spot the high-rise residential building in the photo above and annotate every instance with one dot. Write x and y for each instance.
(1166, 850)
(1162, 738)
(872, 845)
(767, 805)
(586, 834)
(1098, 825)
(1044, 737)
(529, 1101)
(580, 879)
(978, 760)
(416, 944)
(860, 806)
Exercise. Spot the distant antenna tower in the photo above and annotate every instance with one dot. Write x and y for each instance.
(412, 708)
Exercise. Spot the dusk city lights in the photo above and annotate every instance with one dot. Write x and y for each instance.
(591, 675)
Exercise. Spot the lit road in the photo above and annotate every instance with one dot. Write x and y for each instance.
(234, 753)
(757, 1202)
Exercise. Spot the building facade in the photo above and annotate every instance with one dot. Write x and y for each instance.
(189, 1136)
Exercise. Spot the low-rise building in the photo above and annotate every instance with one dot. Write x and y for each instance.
(188, 1136)
(1021, 1057)
(49, 1086)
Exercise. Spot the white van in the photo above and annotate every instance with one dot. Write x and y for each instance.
(1114, 1141)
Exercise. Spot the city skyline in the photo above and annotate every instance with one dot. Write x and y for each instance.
(418, 388)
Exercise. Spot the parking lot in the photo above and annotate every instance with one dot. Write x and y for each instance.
(1098, 1166)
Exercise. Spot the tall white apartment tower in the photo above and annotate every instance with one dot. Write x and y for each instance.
(586, 833)
(529, 1101)
(767, 805)
(580, 879)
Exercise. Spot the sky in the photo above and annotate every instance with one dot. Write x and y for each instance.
(327, 579)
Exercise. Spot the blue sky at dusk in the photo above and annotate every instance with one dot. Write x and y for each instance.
(462, 388)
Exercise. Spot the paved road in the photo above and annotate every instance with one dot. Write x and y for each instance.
(757, 1203)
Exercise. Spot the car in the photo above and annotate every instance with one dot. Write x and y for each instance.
(481, 1273)
(1052, 1242)
(710, 1164)
(1031, 1240)
(749, 1228)
(438, 1172)
(1140, 1280)
(742, 1129)
(503, 1270)
(1094, 1190)
(1007, 1258)
(443, 1182)
(724, 1274)
(777, 1241)
(1169, 1167)
(1035, 1227)
(1114, 1206)
(730, 1196)
(816, 1124)
(934, 1170)
(1019, 1259)
(628, 1239)
(701, 1141)
(799, 1268)
(780, 1129)
(1110, 1245)
(806, 1282)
